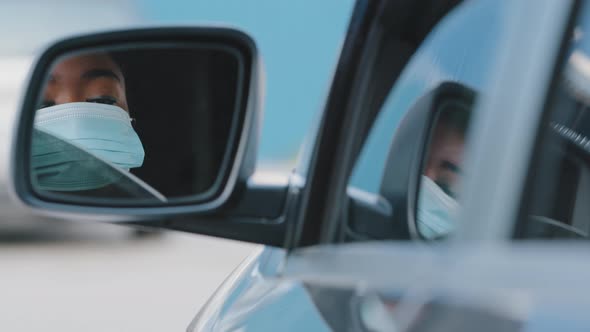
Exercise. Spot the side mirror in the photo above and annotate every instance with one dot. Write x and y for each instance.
(139, 125)
(422, 173)
(407, 171)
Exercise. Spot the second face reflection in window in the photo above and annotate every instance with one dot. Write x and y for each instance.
(444, 159)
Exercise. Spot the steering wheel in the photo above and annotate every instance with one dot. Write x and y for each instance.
(547, 228)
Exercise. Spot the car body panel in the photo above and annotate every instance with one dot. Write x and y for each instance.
(510, 282)
(254, 293)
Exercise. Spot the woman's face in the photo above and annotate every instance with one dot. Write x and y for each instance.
(445, 157)
(93, 78)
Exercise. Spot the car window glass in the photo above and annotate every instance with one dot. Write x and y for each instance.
(411, 163)
(555, 203)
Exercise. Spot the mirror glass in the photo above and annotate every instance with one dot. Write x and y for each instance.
(440, 179)
(146, 123)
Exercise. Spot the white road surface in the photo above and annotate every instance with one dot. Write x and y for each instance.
(94, 278)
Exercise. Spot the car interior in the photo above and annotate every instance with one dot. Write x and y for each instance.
(557, 204)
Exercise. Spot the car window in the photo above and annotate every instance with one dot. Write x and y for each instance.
(96, 173)
(418, 138)
(555, 201)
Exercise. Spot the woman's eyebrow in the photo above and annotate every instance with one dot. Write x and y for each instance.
(98, 73)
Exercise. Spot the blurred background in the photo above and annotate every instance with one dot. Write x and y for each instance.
(73, 276)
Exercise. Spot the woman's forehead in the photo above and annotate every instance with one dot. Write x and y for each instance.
(76, 66)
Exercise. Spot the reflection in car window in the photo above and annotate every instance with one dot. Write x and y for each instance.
(454, 63)
(555, 204)
(462, 47)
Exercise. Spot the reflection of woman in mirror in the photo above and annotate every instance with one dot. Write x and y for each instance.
(84, 104)
(445, 152)
(439, 188)
(93, 78)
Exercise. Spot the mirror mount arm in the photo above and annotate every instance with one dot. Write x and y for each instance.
(242, 219)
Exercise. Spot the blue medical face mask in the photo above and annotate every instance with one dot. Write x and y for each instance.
(437, 211)
(103, 133)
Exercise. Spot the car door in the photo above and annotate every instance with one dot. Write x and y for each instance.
(377, 172)
(501, 75)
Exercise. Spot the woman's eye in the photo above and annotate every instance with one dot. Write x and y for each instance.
(46, 103)
(103, 100)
